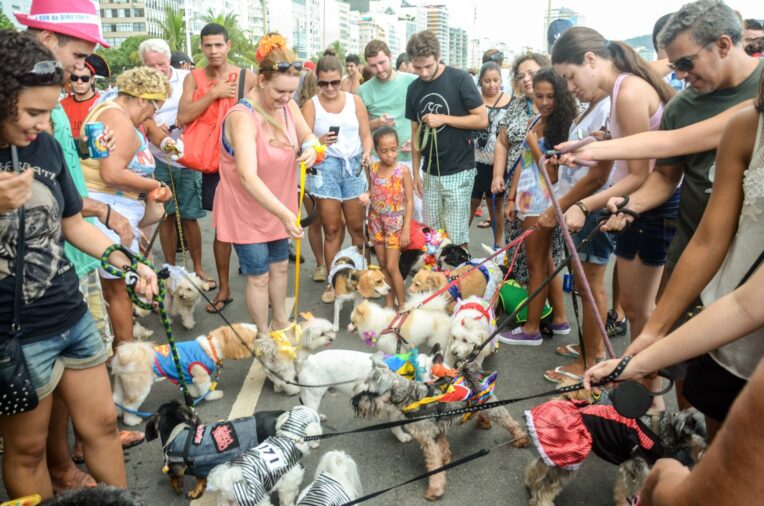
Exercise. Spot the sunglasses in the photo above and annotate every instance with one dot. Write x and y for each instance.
(43, 73)
(325, 84)
(686, 63)
(283, 66)
(74, 79)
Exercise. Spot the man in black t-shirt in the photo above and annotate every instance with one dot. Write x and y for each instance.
(444, 107)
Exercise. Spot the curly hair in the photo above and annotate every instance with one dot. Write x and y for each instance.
(541, 59)
(20, 54)
(558, 124)
(141, 81)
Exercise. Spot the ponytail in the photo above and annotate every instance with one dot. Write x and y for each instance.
(627, 60)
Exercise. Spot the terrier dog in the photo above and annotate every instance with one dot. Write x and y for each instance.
(383, 389)
(336, 482)
(473, 321)
(183, 294)
(192, 448)
(136, 365)
(423, 327)
(481, 282)
(273, 466)
(564, 431)
(353, 280)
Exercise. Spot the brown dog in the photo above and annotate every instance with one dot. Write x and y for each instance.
(351, 279)
(474, 283)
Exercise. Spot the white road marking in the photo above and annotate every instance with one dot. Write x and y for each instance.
(246, 400)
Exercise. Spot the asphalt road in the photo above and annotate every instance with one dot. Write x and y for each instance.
(494, 479)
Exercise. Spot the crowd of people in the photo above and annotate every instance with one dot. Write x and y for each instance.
(673, 189)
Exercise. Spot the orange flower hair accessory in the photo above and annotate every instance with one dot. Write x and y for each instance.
(267, 44)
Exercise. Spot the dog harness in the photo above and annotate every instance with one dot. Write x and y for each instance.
(565, 432)
(356, 262)
(325, 491)
(177, 274)
(262, 467)
(191, 354)
(458, 390)
(481, 306)
(491, 273)
(203, 447)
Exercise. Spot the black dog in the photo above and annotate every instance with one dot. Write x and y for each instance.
(452, 256)
(190, 447)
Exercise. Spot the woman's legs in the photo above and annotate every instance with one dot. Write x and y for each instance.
(496, 211)
(330, 212)
(25, 434)
(537, 249)
(638, 285)
(277, 288)
(555, 294)
(474, 204)
(120, 310)
(63, 473)
(392, 256)
(354, 213)
(381, 252)
(257, 300)
(316, 236)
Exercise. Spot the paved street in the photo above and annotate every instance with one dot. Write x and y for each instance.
(383, 461)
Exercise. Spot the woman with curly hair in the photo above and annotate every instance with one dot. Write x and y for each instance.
(529, 196)
(60, 344)
(124, 180)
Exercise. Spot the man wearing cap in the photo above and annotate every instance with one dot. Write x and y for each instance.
(71, 30)
(83, 91)
(186, 184)
(181, 61)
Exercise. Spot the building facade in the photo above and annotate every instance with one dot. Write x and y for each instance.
(437, 23)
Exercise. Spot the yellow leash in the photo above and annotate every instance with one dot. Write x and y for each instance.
(298, 242)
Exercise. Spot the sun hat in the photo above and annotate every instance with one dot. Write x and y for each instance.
(76, 18)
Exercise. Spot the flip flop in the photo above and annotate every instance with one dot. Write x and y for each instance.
(216, 307)
(211, 283)
(558, 370)
(570, 351)
(130, 438)
(484, 224)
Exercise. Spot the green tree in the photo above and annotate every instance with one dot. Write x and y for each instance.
(5, 23)
(242, 51)
(124, 56)
(174, 30)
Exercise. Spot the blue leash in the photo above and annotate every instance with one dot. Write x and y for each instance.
(146, 414)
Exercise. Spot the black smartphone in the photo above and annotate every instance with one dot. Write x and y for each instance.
(334, 130)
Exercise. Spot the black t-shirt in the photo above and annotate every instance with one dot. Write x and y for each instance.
(52, 302)
(452, 93)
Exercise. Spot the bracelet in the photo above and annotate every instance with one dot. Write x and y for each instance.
(311, 143)
(108, 215)
(583, 208)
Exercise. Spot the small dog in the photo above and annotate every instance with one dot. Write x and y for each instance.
(424, 327)
(383, 389)
(183, 294)
(352, 279)
(101, 494)
(273, 466)
(473, 321)
(565, 430)
(192, 448)
(140, 332)
(336, 482)
(419, 256)
(451, 257)
(283, 352)
(136, 365)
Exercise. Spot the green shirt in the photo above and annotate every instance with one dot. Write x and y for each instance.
(83, 263)
(389, 97)
(688, 108)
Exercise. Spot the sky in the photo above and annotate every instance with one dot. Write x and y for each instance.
(521, 23)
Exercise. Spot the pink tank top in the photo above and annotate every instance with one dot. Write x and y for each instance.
(236, 216)
(621, 168)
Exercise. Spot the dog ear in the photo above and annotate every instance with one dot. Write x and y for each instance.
(353, 279)
(151, 432)
(436, 349)
(363, 285)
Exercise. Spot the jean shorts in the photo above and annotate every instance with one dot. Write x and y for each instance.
(598, 250)
(650, 235)
(188, 186)
(335, 179)
(80, 347)
(254, 259)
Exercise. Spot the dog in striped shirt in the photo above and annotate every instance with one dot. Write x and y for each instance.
(336, 482)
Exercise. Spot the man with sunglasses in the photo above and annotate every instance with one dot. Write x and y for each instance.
(82, 95)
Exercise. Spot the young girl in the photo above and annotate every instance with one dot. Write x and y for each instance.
(530, 195)
(391, 199)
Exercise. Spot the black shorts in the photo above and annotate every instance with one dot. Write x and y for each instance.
(209, 186)
(711, 388)
(483, 181)
(650, 236)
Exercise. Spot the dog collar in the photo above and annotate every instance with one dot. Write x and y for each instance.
(479, 308)
(370, 338)
(215, 356)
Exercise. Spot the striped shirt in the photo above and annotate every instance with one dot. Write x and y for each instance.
(262, 467)
(325, 491)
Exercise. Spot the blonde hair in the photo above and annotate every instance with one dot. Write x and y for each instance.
(144, 82)
(272, 50)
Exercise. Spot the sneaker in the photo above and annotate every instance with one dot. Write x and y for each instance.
(519, 337)
(560, 329)
(328, 296)
(614, 327)
(320, 274)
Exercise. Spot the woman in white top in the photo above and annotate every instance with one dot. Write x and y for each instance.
(339, 183)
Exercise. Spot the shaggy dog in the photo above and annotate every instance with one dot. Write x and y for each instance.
(473, 321)
(339, 366)
(383, 389)
(273, 466)
(336, 482)
(283, 352)
(183, 295)
(352, 280)
(192, 448)
(564, 431)
(422, 328)
(136, 365)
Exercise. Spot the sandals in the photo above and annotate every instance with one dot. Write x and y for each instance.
(328, 296)
(320, 275)
(218, 306)
(211, 283)
(571, 351)
(484, 224)
(127, 438)
(549, 375)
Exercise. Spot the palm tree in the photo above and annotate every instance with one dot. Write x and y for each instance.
(242, 49)
(174, 29)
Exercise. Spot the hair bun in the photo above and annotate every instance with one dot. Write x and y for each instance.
(267, 44)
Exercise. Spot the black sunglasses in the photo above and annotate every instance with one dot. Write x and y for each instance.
(74, 79)
(283, 66)
(686, 63)
(44, 73)
(325, 84)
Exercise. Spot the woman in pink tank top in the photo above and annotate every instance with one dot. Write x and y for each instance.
(590, 64)
(256, 201)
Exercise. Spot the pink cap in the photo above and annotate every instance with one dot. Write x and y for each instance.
(76, 18)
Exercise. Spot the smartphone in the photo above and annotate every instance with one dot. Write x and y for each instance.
(334, 130)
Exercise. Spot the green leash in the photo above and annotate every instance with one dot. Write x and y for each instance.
(422, 141)
(130, 274)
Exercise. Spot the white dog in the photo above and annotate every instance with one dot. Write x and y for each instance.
(473, 321)
(336, 482)
(273, 466)
(424, 327)
(136, 365)
(183, 294)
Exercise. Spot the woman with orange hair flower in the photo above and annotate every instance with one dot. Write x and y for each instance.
(256, 203)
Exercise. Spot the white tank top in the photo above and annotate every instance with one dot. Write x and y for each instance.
(348, 142)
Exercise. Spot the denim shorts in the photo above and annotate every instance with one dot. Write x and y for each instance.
(188, 187)
(254, 259)
(334, 179)
(598, 250)
(650, 235)
(80, 347)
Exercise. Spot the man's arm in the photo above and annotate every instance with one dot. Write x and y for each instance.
(189, 110)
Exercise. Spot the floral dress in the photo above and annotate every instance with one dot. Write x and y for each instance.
(388, 202)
